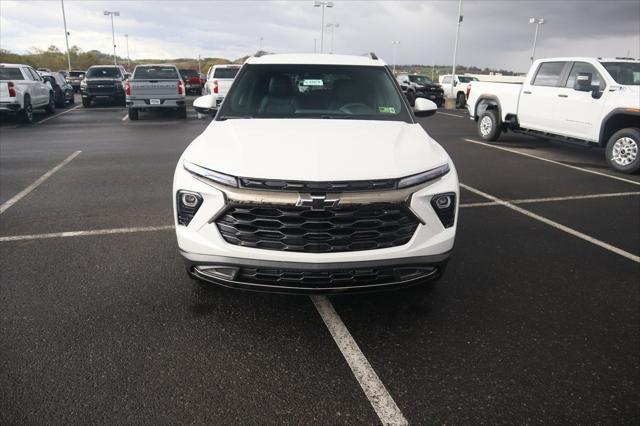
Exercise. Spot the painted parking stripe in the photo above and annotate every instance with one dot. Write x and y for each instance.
(85, 233)
(513, 151)
(37, 183)
(552, 199)
(451, 115)
(554, 224)
(126, 117)
(380, 399)
(59, 114)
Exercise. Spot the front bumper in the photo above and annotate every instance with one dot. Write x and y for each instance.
(314, 278)
(436, 97)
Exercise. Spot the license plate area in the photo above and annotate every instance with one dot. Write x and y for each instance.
(154, 101)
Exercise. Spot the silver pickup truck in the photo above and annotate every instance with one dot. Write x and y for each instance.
(155, 87)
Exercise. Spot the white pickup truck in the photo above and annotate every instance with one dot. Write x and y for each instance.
(219, 80)
(22, 90)
(459, 90)
(593, 101)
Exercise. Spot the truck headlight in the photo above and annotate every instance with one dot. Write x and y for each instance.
(211, 175)
(83, 84)
(424, 176)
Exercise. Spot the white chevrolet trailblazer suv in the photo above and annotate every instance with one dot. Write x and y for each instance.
(315, 177)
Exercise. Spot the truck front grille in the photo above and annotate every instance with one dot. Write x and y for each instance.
(304, 186)
(301, 229)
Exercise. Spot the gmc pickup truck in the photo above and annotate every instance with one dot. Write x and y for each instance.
(155, 87)
(103, 81)
(592, 101)
(219, 80)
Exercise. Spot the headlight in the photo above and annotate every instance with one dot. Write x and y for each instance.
(83, 83)
(187, 204)
(424, 176)
(211, 175)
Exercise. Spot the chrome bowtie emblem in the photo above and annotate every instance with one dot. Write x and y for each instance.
(317, 201)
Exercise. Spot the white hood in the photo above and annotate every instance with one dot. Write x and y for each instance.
(315, 149)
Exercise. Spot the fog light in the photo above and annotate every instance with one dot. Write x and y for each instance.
(218, 271)
(187, 204)
(445, 207)
(443, 202)
(189, 200)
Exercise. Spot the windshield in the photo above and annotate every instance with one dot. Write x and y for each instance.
(420, 79)
(103, 72)
(225, 72)
(76, 74)
(466, 79)
(155, 73)
(626, 73)
(315, 91)
(189, 73)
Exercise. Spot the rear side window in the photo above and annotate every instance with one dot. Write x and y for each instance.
(549, 74)
(76, 74)
(189, 73)
(225, 72)
(11, 74)
(155, 73)
(104, 72)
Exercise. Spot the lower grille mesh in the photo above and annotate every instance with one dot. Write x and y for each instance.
(301, 229)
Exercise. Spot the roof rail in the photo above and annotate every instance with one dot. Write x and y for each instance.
(371, 55)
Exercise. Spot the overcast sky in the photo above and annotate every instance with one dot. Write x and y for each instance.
(493, 34)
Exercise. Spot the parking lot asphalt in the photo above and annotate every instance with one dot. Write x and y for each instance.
(535, 320)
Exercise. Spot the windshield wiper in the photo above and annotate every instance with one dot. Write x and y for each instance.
(233, 117)
(339, 117)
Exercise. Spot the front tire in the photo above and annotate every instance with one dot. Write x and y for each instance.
(51, 107)
(86, 102)
(623, 150)
(489, 127)
(133, 114)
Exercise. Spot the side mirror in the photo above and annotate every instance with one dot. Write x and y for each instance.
(424, 108)
(455, 83)
(583, 82)
(205, 104)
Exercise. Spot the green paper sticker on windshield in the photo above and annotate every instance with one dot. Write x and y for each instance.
(387, 110)
(312, 83)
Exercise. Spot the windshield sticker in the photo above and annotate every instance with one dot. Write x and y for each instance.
(312, 83)
(387, 110)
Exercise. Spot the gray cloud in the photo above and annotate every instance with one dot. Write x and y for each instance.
(494, 33)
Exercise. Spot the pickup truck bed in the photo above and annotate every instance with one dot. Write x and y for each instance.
(155, 87)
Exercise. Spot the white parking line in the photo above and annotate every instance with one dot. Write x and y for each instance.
(633, 182)
(10, 202)
(382, 402)
(551, 199)
(126, 117)
(85, 233)
(556, 225)
(451, 115)
(59, 114)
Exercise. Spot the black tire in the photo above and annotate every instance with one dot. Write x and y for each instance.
(623, 150)
(51, 107)
(26, 114)
(489, 126)
(86, 102)
(182, 112)
(73, 99)
(411, 97)
(133, 114)
(461, 100)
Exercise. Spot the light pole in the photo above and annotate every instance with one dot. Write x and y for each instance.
(455, 49)
(126, 37)
(395, 44)
(315, 45)
(199, 68)
(113, 34)
(322, 4)
(66, 35)
(333, 26)
(538, 22)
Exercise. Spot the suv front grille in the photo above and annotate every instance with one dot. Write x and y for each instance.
(301, 229)
(303, 186)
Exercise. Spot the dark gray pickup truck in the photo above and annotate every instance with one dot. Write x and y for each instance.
(154, 87)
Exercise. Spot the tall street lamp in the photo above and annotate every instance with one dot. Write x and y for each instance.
(538, 22)
(113, 34)
(126, 37)
(322, 4)
(66, 35)
(395, 44)
(455, 50)
(333, 26)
